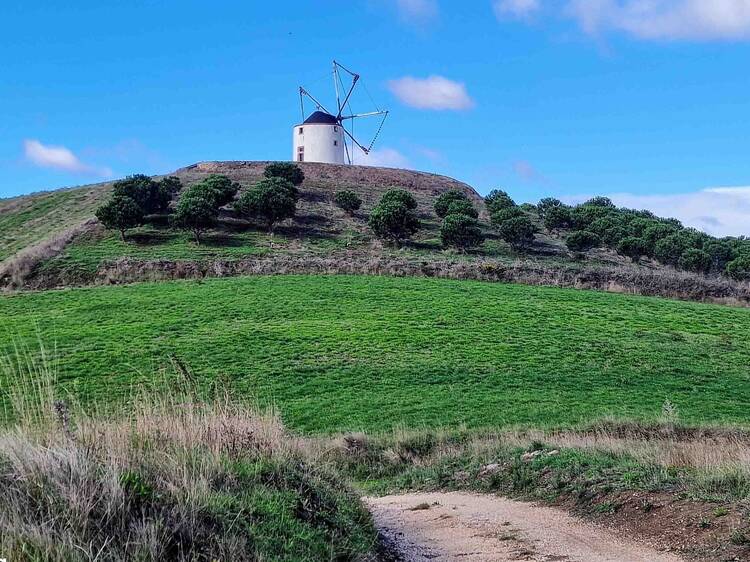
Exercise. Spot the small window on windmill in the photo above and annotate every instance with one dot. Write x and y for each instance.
(301, 154)
(335, 143)
(335, 129)
(301, 130)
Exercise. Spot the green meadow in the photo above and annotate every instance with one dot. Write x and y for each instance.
(340, 353)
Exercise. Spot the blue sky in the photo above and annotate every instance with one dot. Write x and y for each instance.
(645, 100)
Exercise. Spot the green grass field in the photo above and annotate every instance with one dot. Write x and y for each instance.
(341, 353)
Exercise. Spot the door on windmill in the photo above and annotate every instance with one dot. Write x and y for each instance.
(301, 154)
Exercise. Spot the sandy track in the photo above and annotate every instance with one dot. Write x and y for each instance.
(474, 528)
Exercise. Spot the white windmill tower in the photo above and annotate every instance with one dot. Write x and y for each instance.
(323, 136)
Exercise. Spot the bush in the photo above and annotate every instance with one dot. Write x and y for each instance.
(461, 231)
(544, 206)
(224, 189)
(582, 240)
(500, 216)
(347, 200)
(196, 214)
(739, 268)
(632, 247)
(394, 221)
(721, 253)
(497, 200)
(582, 216)
(600, 201)
(270, 200)
(120, 213)
(557, 218)
(446, 199)
(463, 208)
(151, 196)
(655, 232)
(695, 260)
(285, 170)
(518, 232)
(400, 197)
(669, 250)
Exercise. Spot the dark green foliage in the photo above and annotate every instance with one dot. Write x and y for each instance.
(500, 216)
(400, 197)
(600, 201)
(196, 213)
(632, 247)
(394, 221)
(583, 216)
(695, 260)
(461, 231)
(498, 199)
(546, 204)
(637, 225)
(285, 170)
(151, 196)
(739, 268)
(518, 232)
(721, 253)
(120, 213)
(347, 200)
(270, 200)
(604, 224)
(446, 199)
(217, 187)
(582, 240)
(654, 233)
(669, 250)
(558, 218)
(612, 237)
(463, 208)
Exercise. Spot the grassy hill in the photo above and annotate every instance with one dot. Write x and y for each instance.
(339, 353)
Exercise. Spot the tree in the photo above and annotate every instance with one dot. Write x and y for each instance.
(285, 170)
(196, 214)
(657, 231)
(721, 253)
(669, 250)
(120, 213)
(582, 216)
(446, 199)
(582, 240)
(632, 247)
(394, 221)
(501, 215)
(498, 199)
(151, 196)
(739, 268)
(600, 201)
(461, 231)
(463, 207)
(347, 200)
(270, 200)
(400, 196)
(557, 218)
(695, 260)
(518, 232)
(224, 189)
(544, 206)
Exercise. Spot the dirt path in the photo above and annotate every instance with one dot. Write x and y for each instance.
(479, 528)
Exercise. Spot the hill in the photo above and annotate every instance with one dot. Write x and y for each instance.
(65, 246)
(357, 352)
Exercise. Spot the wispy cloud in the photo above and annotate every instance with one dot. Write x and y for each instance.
(515, 8)
(59, 158)
(434, 92)
(527, 172)
(721, 211)
(383, 158)
(419, 12)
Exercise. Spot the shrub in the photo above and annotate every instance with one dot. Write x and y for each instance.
(461, 231)
(739, 268)
(347, 200)
(582, 216)
(400, 197)
(695, 260)
(544, 206)
(224, 188)
(196, 214)
(582, 240)
(446, 199)
(518, 232)
(669, 250)
(632, 247)
(394, 221)
(120, 213)
(612, 237)
(600, 201)
(655, 232)
(151, 196)
(497, 200)
(285, 170)
(557, 218)
(721, 253)
(270, 200)
(500, 216)
(463, 208)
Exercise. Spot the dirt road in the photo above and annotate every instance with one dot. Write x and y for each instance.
(474, 528)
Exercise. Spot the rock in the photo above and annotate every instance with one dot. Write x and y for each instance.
(553, 452)
(489, 469)
(530, 456)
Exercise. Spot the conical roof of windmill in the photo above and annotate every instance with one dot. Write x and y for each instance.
(320, 118)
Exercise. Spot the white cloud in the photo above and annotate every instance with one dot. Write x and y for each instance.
(417, 11)
(665, 19)
(434, 92)
(59, 158)
(515, 8)
(721, 211)
(383, 158)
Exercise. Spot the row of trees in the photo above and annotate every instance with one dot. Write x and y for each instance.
(641, 234)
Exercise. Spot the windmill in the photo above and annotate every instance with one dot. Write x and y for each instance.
(325, 136)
